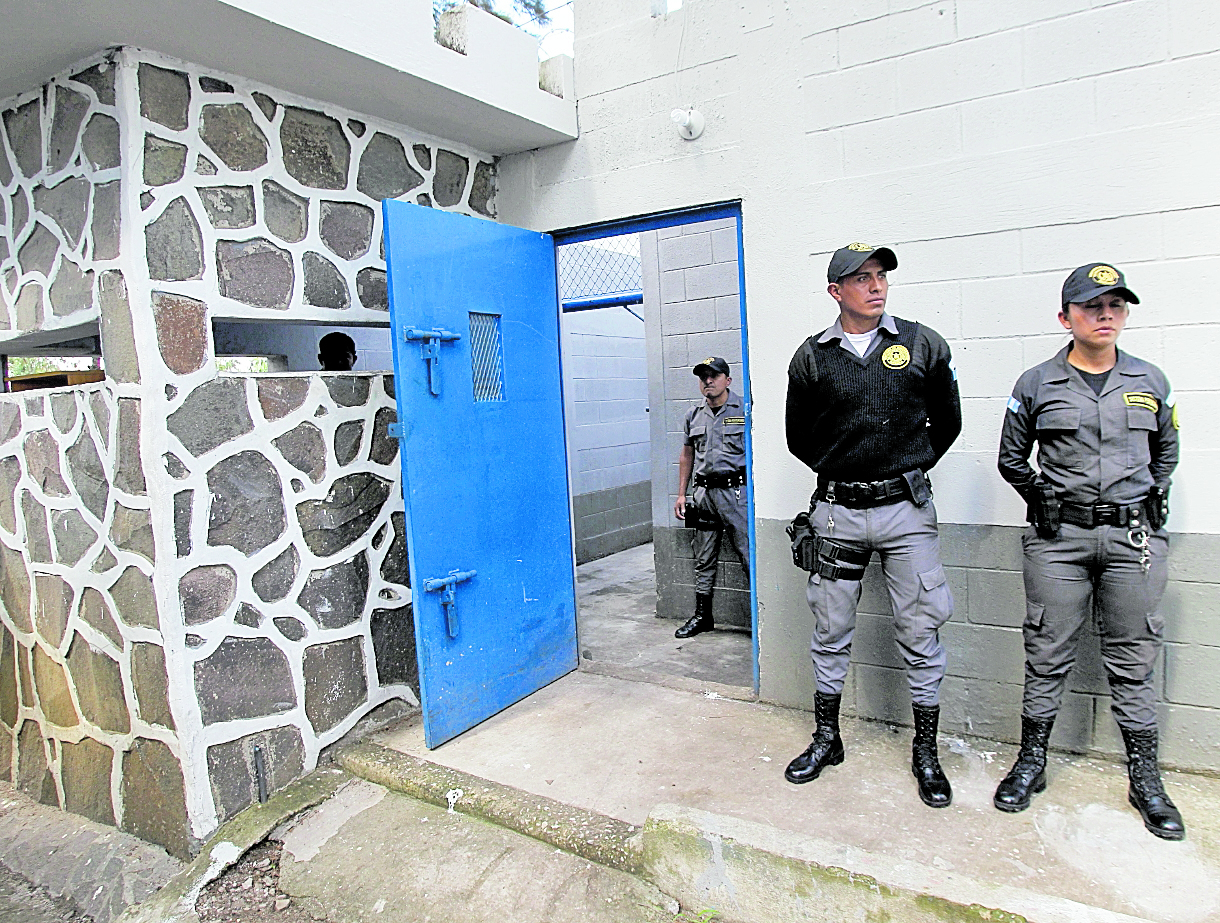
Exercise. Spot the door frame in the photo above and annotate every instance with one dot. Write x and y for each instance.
(654, 222)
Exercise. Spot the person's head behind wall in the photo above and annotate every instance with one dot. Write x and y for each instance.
(337, 352)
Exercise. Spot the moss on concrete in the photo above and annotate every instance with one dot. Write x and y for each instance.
(596, 837)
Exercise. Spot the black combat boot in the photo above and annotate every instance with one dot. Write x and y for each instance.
(1028, 774)
(1146, 793)
(827, 747)
(701, 621)
(934, 790)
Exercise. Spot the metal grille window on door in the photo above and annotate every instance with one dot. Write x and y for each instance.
(486, 357)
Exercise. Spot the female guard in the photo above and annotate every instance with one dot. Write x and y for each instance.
(1107, 435)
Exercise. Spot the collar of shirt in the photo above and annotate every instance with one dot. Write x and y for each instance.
(1124, 365)
(835, 330)
(731, 400)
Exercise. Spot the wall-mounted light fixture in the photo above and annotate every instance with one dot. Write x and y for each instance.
(689, 122)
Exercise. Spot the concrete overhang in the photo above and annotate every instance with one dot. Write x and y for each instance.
(378, 57)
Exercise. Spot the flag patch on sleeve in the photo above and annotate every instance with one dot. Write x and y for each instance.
(1014, 405)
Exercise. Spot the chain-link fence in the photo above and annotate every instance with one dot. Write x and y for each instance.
(605, 271)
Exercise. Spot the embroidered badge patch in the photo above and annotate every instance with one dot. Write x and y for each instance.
(1174, 417)
(1014, 405)
(1140, 399)
(734, 421)
(1104, 275)
(860, 248)
(896, 357)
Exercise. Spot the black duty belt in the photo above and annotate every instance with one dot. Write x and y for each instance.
(1092, 515)
(733, 479)
(861, 494)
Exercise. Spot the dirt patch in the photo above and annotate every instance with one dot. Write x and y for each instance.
(248, 892)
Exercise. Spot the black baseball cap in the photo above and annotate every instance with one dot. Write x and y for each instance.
(847, 260)
(1093, 279)
(712, 364)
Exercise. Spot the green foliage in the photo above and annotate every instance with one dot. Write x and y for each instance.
(523, 11)
(707, 915)
(242, 365)
(32, 365)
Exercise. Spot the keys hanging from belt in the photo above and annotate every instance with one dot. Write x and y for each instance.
(1137, 537)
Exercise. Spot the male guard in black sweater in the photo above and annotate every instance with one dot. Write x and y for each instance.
(872, 405)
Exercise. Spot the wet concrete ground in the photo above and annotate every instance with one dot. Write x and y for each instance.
(620, 635)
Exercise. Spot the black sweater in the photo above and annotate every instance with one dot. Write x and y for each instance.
(853, 419)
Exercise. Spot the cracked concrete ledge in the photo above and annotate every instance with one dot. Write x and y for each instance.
(751, 872)
(593, 836)
(175, 903)
(746, 871)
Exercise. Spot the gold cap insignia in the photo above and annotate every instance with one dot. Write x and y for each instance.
(860, 248)
(708, 361)
(896, 357)
(1104, 275)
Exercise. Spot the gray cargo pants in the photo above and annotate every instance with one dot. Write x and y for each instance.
(1093, 570)
(905, 538)
(728, 504)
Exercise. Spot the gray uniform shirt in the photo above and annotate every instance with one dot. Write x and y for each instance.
(717, 436)
(1107, 448)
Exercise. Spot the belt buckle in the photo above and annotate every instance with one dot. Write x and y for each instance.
(1103, 512)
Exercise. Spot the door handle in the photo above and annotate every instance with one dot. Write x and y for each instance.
(448, 597)
(430, 347)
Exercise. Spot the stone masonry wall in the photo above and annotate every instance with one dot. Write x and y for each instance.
(85, 719)
(287, 586)
(59, 212)
(260, 204)
(290, 562)
(199, 567)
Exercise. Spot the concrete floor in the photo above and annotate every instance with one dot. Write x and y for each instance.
(623, 748)
(620, 635)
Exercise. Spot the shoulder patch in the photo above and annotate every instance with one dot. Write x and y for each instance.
(1142, 399)
(1014, 405)
(953, 369)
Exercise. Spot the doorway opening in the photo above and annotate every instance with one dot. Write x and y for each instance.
(642, 302)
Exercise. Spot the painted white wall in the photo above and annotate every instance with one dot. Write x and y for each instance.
(377, 57)
(994, 145)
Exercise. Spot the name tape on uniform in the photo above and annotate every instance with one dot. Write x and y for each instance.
(1142, 399)
(734, 421)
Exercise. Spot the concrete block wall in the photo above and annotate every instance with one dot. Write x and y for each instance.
(693, 308)
(995, 146)
(606, 384)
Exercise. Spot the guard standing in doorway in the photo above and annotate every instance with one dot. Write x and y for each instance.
(1107, 435)
(714, 451)
(872, 405)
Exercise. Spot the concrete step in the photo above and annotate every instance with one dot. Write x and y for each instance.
(371, 854)
(686, 791)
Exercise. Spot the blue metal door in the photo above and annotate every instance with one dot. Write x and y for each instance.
(474, 314)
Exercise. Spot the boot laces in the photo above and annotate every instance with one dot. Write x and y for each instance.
(1030, 762)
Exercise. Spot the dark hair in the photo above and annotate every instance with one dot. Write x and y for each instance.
(336, 342)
